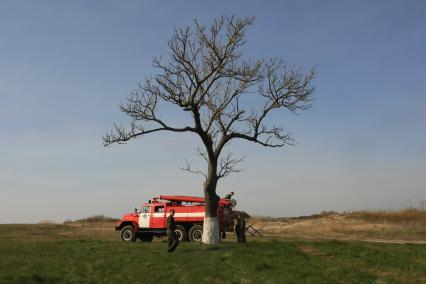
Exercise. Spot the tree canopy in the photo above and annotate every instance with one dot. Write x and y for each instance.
(228, 96)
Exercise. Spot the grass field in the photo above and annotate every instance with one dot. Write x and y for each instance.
(47, 253)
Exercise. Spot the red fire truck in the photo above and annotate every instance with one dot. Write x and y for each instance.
(151, 220)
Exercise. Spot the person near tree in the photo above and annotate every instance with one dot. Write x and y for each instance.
(229, 195)
(173, 239)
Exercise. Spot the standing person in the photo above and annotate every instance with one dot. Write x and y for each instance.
(243, 230)
(229, 195)
(173, 240)
(237, 229)
(240, 229)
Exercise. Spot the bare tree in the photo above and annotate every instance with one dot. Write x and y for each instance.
(227, 97)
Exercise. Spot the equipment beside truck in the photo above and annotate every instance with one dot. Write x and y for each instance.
(150, 221)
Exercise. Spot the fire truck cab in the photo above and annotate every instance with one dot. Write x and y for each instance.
(151, 220)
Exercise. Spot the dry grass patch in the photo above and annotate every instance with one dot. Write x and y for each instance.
(409, 225)
(96, 221)
(404, 217)
(309, 250)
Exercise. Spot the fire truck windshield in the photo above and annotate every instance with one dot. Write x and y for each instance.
(145, 209)
(159, 209)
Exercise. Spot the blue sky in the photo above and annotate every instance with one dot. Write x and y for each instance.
(65, 65)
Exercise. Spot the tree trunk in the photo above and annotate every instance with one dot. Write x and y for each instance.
(211, 233)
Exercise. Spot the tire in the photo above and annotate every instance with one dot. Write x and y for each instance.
(128, 233)
(146, 237)
(196, 233)
(181, 233)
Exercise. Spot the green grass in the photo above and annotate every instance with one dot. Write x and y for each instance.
(60, 254)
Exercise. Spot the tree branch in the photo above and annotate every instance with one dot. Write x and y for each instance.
(121, 135)
(228, 164)
(188, 168)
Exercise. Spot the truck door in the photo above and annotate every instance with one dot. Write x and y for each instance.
(145, 216)
(158, 218)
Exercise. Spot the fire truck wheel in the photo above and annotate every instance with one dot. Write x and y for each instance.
(128, 234)
(146, 237)
(196, 233)
(180, 233)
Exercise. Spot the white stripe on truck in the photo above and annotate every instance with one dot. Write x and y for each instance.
(179, 215)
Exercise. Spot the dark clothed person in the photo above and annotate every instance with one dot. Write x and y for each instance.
(243, 230)
(229, 195)
(237, 229)
(240, 230)
(173, 239)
